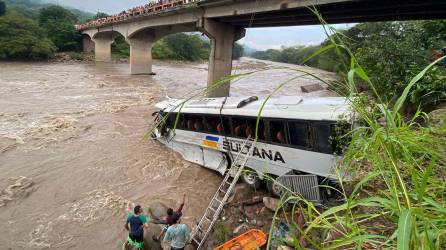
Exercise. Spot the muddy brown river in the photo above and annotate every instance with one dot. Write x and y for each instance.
(72, 159)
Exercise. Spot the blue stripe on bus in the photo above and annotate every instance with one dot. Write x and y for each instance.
(212, 138)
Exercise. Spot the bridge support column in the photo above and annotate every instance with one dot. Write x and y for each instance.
(141, 53)
(222, 37)
(87, 44)
(102, 49)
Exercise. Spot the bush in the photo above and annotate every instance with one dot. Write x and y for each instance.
(120, 48)
(187, 47)
(22, 38)
(2, 8)
(59, 25)
(238, 51)
(162, 51)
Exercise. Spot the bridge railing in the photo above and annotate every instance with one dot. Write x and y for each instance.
(147, 9)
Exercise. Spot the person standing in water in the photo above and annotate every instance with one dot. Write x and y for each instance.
(135, 224)
(177, 235)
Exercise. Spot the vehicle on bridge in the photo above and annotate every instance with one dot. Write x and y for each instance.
(295, 136)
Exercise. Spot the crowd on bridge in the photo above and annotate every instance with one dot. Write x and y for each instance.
(148, 8)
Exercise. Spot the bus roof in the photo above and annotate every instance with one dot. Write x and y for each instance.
(289, 107)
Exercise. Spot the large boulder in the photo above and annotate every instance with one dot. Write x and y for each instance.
(157, 210)
(311, 88)
(437, 119)
(271, 203)
(149, 243)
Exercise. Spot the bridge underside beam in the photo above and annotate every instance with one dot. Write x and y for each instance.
(344, 12)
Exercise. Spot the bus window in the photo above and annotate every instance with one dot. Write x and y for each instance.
(277, 132)
(322, 131)
(170, 120)
(251, 129)
(239, 126)
(211, 123)
(223, 127)
(193, 123)
(298, 134)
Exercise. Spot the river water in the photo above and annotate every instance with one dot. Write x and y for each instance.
(72, 158)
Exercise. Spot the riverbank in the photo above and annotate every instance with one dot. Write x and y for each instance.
(71, 156)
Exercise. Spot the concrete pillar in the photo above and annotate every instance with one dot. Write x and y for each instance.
(87, 44)
(102, 49)
(222, 37)
(141, 53)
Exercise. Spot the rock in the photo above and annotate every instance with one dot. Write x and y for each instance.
(271, 203)
(283, 247)
(239, 191)
(260, 223)
(148, 233)
(189, 247)
(157, 210)
(240, 229)
(311, 88)
(437, 119)
(335, 233)
(257, 223)
(252, 201)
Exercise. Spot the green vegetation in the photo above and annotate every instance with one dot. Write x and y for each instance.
(2, 8)
(32, 30)
(221, 233)
(22, 38)
(181, 46)
(58, 23)
(393, 53)
(396, 197)
(238, 51)
(120, 48)
(51, 29)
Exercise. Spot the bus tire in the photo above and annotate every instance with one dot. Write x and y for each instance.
(273, 186)
(251, 178)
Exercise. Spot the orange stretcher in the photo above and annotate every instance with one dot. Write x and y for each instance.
(251, 240)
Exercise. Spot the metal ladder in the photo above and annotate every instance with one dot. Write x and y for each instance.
(217, 203)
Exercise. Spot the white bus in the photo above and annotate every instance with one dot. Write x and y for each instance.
(294, 136)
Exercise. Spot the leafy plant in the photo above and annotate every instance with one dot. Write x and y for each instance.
(22, 38)
(59, 25)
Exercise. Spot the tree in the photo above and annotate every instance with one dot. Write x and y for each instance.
(187, 47)
(120, 47)
(237, 51)
(97, 16)
(59, 25)
(22, 38)
(2, 8)
(394, 52)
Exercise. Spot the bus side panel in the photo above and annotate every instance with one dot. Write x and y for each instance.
(208, 158)
(215, 160)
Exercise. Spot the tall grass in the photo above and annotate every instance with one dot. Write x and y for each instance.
(395, 196)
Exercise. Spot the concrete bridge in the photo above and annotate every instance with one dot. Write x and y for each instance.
(224, 22)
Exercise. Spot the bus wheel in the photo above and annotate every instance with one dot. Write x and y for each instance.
(274, 186)
(252, 179)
